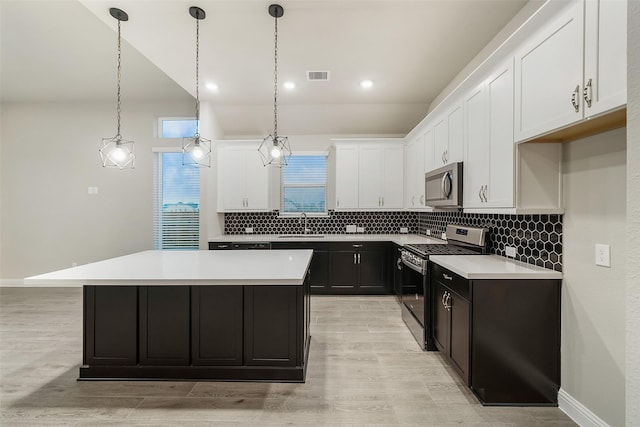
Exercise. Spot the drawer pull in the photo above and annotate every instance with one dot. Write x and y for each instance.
(447, 276)
(357, 246)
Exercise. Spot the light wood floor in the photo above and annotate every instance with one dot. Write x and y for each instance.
(364, 369)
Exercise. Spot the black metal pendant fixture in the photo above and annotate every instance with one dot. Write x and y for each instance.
(117, 152)
(274, 149)
(196, 150)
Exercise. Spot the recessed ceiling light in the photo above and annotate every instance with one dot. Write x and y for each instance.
(212, 86)
(289, 85)
(366, 84)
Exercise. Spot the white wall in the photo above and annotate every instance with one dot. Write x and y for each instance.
(633, 217)
(49, 158)
(593, 297)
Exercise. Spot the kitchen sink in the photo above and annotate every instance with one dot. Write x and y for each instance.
(313, 236)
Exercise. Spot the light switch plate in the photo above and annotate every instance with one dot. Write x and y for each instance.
(351, 228)
(603, 255)
(248, 230)
(510, 251)
(444, 236)
(428, 232)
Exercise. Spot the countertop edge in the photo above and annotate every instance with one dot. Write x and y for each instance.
(526, 271)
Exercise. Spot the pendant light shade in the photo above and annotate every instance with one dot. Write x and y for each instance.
(274, 149)
(196, 150)
(118, 152)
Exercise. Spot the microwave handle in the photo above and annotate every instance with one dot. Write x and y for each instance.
(446, 185)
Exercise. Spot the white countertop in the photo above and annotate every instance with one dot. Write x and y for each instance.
(400, 239)
(260, 267)
(492, 267)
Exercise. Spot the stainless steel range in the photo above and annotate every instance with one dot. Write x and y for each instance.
(416, 292)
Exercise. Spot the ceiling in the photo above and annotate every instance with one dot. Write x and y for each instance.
(65, 50)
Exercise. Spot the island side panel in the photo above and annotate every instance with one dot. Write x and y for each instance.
(217, 323)
(165, 325)
(110, 325)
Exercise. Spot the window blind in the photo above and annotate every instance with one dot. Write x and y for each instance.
(304, 184)
(176, 203)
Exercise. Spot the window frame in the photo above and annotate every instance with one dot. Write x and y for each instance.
(159, 128)
(325, 213)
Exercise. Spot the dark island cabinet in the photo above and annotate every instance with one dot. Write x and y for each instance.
(360, 268)
(223, 332)
(164, 325)
(110, 324)
(319, 268)
(501, 336)
(217, 325)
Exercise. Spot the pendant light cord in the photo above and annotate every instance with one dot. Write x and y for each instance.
(197, 77)
(275, 83)
(118, 109)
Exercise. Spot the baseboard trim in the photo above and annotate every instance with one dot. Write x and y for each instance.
(578, 412)
(19, 283)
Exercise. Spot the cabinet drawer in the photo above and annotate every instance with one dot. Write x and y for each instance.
(358, 246)
(452, 281)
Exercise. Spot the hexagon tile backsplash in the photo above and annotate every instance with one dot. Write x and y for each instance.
(537, 238)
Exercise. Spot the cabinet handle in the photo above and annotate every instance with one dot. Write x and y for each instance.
(443, 298)
(399, 263)
(413, 200)
(448, 305)
(356, 246)
(442, 158)
(358, 258)
(446, 155)
(480, 193)
(574, 98)
(338, 202)
(422, 199)
(587, 93)
(382, 200)
(355, 259)
(446, 276)
(223, 246)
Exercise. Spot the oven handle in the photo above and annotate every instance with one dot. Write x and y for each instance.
(414, 268)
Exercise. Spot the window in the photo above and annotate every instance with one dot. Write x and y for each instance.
(304, 184)
(177, 127)
(176, 203)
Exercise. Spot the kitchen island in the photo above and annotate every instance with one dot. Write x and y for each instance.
(194, 315)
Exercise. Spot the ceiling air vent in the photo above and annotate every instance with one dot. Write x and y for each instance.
(317, 76)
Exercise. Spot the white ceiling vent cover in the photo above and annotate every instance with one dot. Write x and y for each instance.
(318, 76)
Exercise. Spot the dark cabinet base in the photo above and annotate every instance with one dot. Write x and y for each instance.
(197, 333)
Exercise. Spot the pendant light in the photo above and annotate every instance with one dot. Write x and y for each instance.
(196, 150)
(274, 149)
(117, 152)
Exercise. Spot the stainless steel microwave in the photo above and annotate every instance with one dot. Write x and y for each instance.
(443, 186)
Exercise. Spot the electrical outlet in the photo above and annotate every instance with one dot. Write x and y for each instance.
(248, 230)
(360, 229)
(444, 236)
(510, 251)
(428, 232)
(351, 228)
(603, 255)
(404, 230)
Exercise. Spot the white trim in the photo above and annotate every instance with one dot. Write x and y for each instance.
(166, 149)
(578, 412)
(19, 283)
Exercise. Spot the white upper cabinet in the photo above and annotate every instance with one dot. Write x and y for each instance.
(380, 176)
(429, 158)
(346, 176)
(605, 56)
(448, 137)
(415, 173)
(571, 68)
(243, 182)
(478, 146)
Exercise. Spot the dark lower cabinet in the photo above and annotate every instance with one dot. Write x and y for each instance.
(217, 325)
(501, 336)
(360, 268)
(111, 325)
(164, 325)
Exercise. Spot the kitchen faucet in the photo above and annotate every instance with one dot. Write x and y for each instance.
(303, 218)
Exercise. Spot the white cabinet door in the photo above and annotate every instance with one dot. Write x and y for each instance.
(605, 55)
(548, 73)
(370, 177)
(231, 179)
(415, 173)
(392, 182)
(429, 157)
(455, 150)
(477, 155)
(243, 183)
(500, 93)
(256, 188)
(346, 177)
(440, 141)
